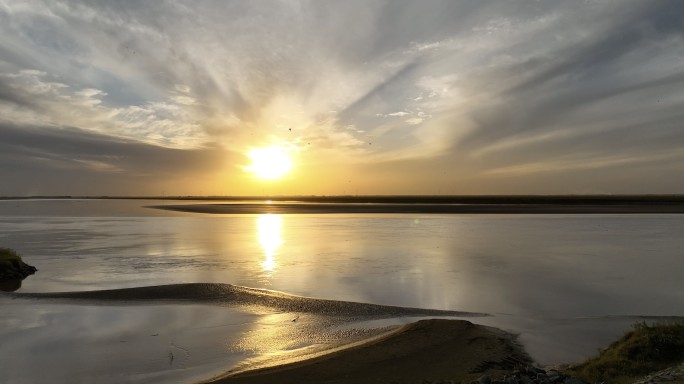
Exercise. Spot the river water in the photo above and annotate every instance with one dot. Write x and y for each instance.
(566, 283)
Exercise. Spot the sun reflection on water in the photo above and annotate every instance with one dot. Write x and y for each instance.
(269, 227)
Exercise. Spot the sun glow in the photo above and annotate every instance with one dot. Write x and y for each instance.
(269, 163)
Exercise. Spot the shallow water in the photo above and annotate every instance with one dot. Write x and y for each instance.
(157, 343)
(552, 278)
(117, 344)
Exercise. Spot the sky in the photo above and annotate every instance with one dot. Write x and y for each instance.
(365, 97)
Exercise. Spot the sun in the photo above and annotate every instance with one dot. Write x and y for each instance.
(269, 163)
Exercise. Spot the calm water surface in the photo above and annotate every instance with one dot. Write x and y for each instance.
(573, 276)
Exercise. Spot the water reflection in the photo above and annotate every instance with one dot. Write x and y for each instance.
(117, 344)
(269, 227)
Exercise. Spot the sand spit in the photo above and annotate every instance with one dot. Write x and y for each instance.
(249, 298)
(358, 208)
(424, 351)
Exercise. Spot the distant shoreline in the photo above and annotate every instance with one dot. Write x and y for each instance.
(404, 199)
(415, 208)
(402, 204)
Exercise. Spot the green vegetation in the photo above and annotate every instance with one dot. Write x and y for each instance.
(13, 270)
(644, 350)
(9, 258)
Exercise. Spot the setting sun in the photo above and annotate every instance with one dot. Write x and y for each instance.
(269, 163)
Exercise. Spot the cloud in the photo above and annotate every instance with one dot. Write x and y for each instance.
(400, 114)
(609, 93)
(37, 100)
(497, 87)
(44, 160)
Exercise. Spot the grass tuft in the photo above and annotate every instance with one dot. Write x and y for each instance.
(643, 350)
(9, 256)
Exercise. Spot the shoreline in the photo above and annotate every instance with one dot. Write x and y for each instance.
(420, 208)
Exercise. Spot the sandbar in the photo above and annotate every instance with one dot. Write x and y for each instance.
(432, 350)
(244, 297)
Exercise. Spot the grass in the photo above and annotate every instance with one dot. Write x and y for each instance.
(9, 258)
(644, 350)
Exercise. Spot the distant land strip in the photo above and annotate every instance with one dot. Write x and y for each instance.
(406, 199)
(409, 208)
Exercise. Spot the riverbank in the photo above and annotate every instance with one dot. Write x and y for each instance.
(431, 350)
(457, 351)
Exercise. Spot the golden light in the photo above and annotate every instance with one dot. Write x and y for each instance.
(269, 237)
(269, 163)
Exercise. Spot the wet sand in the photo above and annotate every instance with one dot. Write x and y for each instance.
(431, 350)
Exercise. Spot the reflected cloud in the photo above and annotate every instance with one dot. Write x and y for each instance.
(269, 231)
